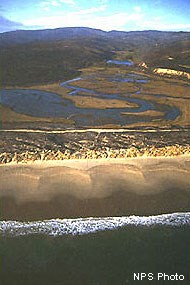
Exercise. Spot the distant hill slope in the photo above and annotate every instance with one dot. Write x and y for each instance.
(45, 56)
(173, 55)
(23, 36)
(28, 36)
(44, 62)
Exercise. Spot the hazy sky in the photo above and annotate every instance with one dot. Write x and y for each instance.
(124, 15)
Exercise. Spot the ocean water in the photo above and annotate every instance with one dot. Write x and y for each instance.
(95, 251)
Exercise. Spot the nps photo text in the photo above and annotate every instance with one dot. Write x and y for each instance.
(160, 276)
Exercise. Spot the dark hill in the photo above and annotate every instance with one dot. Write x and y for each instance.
(173, 55)
(25, 36)
(48, 62)
(45, 56)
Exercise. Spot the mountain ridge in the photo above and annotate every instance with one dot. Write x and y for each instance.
(28, 36)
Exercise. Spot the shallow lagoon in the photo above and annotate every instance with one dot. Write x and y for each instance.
(46, 104)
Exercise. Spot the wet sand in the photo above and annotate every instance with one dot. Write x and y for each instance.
(83, 188)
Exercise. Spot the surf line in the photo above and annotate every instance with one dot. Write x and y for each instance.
(81, 226)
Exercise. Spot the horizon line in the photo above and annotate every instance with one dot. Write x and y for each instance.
(85, 27)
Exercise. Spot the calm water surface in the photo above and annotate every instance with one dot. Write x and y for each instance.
(46, 104)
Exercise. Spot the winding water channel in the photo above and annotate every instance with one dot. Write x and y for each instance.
(46, 104)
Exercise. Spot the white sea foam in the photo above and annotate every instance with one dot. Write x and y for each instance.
(80, 226)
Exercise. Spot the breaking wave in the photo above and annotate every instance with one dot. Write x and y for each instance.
(81, 226)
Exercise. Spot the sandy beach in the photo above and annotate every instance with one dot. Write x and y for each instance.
(94, 187)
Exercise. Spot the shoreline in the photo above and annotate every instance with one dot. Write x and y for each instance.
(89, 225)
